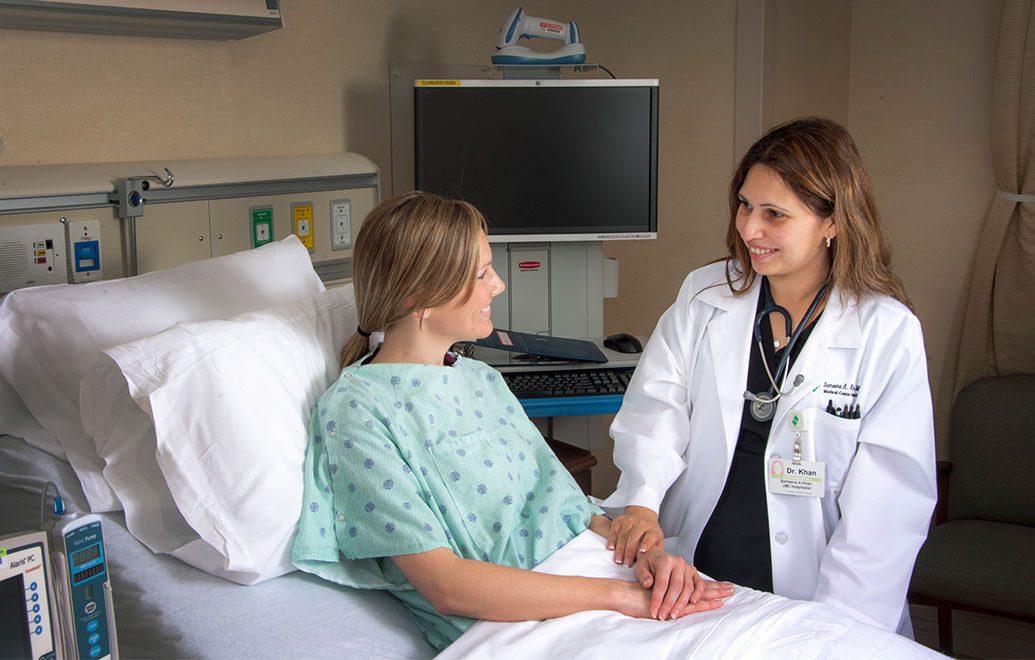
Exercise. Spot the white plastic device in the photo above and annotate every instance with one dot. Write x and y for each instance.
(50, 253)
(31, 255)
(520, 25)
(84, 250)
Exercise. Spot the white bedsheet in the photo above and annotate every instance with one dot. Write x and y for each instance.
(751, 624)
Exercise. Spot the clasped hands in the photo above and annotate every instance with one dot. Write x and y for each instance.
(676, 588)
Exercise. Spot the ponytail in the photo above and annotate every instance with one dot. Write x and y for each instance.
(355, 347)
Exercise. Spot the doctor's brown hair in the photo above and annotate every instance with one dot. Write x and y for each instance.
(412, 252)
(818, 160)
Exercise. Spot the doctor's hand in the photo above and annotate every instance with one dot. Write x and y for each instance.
(637, 531)
(677, 589)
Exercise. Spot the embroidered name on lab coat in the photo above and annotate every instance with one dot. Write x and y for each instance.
(842, 389)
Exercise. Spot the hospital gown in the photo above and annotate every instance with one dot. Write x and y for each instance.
(406, 458)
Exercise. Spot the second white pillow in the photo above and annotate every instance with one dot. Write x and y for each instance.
(216, 480)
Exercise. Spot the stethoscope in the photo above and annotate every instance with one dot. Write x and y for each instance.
(763, 404)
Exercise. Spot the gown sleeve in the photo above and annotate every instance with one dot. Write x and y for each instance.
(362, 500)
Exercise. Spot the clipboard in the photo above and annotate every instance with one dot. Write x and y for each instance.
(559, 348)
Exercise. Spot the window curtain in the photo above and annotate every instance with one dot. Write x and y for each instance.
(995, 328)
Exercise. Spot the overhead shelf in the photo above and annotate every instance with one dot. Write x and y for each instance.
(184, 19)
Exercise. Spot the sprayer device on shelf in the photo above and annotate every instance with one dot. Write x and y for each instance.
(520, 25)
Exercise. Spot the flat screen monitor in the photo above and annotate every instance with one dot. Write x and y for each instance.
(544, 160)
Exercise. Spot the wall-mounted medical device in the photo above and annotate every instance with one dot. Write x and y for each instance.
(150, 215)
(84, 251)
(50, 253)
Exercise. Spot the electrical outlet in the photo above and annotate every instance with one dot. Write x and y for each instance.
(341, 224)
(302, 213)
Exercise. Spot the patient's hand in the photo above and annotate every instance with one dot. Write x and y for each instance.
(676, 587)
(637, 531)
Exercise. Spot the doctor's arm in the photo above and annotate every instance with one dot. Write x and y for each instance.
(634, 532)
(889, 491)
(481, 590)
(651, 432)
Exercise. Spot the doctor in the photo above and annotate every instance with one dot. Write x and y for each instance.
(779, 423)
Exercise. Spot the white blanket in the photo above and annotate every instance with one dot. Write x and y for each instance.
(751, 624)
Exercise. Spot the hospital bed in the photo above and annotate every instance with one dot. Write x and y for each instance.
(175, 404)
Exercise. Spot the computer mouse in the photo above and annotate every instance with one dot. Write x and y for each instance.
(623, 343)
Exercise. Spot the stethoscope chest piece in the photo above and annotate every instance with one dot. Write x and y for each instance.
(763, 406)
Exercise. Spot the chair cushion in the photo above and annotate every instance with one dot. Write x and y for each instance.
(983, 564)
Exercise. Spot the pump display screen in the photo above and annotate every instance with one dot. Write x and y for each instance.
(88, 573)
(84, 556)
(86, 563)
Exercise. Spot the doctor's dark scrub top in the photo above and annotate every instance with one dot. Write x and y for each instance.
(734, 545)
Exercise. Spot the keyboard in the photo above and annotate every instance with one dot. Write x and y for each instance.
(556, 383)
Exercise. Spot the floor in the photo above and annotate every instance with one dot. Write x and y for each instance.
(977, 635)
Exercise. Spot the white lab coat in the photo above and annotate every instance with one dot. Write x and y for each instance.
(675, 434)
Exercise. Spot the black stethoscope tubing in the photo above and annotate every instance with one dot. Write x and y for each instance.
(763, 405)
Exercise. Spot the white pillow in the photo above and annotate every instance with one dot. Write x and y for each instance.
(217, 480)
(16, 420)
(50, 335)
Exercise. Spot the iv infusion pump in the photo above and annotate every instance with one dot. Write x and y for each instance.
(55, 595)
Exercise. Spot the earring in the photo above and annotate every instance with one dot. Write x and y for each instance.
(828, 241)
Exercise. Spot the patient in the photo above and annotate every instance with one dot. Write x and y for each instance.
(424, 476)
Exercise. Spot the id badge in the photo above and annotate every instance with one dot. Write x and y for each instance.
(806, 479)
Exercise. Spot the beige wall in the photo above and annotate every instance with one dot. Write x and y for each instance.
(319, 85)
(808, 54)
(911, 78)
(912, 81)
(921, 88)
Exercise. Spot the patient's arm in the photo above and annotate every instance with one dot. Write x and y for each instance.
(674, 583)
(480, 590)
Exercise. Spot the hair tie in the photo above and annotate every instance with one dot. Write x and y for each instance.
(360, 332)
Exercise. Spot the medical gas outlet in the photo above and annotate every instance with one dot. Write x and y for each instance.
(302, 215)
(262, 225)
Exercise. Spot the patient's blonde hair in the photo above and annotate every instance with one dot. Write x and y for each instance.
(414, 251)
